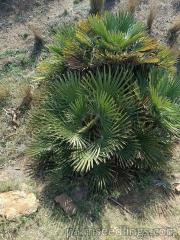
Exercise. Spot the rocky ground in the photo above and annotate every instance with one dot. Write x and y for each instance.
(16, 72)
(17, 15)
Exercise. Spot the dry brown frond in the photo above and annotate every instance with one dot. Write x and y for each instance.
(132, 4)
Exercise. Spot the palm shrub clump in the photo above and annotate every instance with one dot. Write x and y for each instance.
(112, 104)
(102, 40)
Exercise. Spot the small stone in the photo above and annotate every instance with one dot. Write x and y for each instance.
(177, 188)
(66, 203)
(14, 204)
(177, 176)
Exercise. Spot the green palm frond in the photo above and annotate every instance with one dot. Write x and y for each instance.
(165, 96)
(127, 156)
(154, 150)
(102, 177)
(64, 34)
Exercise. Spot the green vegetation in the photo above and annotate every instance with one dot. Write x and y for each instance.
(8, 185)
(102, 40)
(77, 1)
(112, 102)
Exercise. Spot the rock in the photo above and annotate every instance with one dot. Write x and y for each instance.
(177, 188)
(66, 203)
(80, 193)
(176, 183)
(177, 176)
(17, 203)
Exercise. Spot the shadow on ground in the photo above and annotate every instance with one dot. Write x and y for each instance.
(152, 200)
(151, 196)
(109, 4)
(176, 6)
(8, 7)
(20, 7)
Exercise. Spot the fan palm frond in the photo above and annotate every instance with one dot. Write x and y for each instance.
(165, 96)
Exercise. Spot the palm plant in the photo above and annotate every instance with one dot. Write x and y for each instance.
(112, 102)
(103, 40)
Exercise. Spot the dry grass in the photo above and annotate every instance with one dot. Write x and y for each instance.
(151, 16)
(176, 52)
(175, 27)
(4, 93)
(9, 185)
(173, 32)
(27, 99)
(132, 4)
(37, 34)
(97, 6)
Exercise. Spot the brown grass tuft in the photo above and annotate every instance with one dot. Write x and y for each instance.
(36, 32)
(4, 93)
(175, 27)
(97, 6)
(27, 99)
(173, 32)
(151, 16)
(132, 4)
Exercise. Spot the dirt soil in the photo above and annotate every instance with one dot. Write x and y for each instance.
(17, 15)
